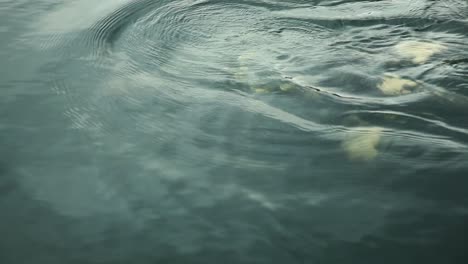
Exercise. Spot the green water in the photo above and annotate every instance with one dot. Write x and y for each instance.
(233, 131)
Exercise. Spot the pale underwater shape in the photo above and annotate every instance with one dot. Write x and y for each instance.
(395, 85)
(286, 87)
(363, 145)
(260, 90)
(247, 57)
(419, 52)
(249, 61)
(242, 73)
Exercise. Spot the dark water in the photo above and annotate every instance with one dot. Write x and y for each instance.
(233, 131)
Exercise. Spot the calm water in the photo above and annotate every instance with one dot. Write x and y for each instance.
(242, 131)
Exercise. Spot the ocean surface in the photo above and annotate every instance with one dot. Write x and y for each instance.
(244, 131)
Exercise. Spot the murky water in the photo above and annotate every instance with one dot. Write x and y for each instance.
(233, 131)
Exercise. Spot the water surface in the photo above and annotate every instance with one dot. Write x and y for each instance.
(245, 131)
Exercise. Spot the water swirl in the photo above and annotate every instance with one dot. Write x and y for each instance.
(258, 81)
(194, 109)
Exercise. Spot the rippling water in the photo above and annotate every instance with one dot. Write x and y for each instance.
(207, 131)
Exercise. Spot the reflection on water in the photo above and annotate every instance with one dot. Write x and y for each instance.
(248, 131)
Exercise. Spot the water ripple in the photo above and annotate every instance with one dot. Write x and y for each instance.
(165, 66)
(176, 109)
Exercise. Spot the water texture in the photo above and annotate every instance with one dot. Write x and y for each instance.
(208, 131)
